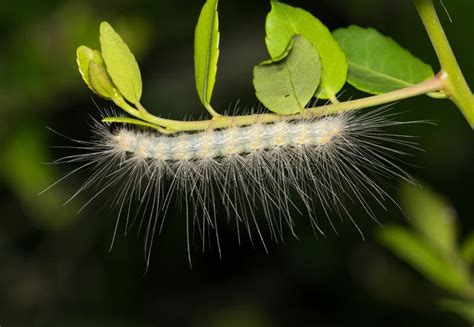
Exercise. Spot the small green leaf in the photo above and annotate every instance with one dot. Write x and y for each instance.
(287, 85)
(121, 64)
(409, 247)
(431, 215)
(284, 21)
(377, 64)
(100, 81)
(84, 56)
(94, 73)
(131, 121)
(206, 51)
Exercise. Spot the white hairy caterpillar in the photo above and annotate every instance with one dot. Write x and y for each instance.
(260, 174)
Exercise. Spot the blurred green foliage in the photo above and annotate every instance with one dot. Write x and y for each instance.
(55, 266)
(433, 248)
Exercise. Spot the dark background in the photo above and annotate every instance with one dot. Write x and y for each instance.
(55, 267)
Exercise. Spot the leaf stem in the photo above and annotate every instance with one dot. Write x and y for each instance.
(137, 122)
(140, 107)
(454, 83)
(170, 126)
(334, 99)
(212, 111)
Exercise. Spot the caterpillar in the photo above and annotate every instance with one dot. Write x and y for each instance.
(258, 175)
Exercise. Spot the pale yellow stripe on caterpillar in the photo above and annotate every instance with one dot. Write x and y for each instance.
(235, 140)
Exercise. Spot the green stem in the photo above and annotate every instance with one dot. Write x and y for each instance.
(212, 111)
(431, 85)
(455, 85)
(137, 122)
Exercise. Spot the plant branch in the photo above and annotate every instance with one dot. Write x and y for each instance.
(431, 85)
(454, 83)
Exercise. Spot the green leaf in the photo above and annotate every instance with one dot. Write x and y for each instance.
(409, 247)
(463, 309)
(287, 85)
(431, 215)
(94, 73)
(377, 64)
(131, 121)
(22, 152)
(284, 21)
(206, 51)
(467, 249)
(84, 56)
(121, 64)
(100, 81)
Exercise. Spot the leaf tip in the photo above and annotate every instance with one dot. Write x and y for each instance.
(82, 51)
(105, 26)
